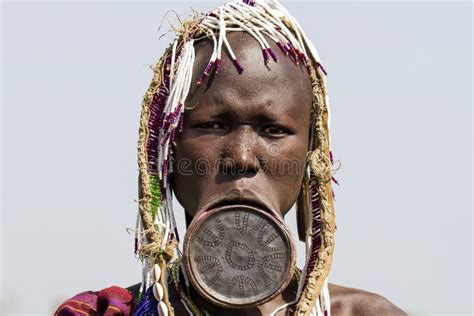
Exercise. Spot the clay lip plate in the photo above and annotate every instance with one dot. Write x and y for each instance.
(238, 256)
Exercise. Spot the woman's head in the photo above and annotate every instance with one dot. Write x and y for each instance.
(237, 112)
(245, 135)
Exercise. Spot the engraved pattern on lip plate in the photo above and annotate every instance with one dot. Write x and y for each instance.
(240, 256)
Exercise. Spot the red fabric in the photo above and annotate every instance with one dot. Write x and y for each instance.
(112, 301)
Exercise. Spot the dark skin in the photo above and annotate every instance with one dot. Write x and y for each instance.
(239, 120)
(242, 120)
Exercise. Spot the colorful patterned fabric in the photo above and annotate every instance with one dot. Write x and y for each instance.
(112, 301)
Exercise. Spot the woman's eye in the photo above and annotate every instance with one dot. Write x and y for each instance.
(275, 130)
(210, 125)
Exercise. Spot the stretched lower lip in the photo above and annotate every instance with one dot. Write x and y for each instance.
(235, 196)
(240, 203)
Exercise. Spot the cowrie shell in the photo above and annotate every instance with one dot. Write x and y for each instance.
(157, 273)
(158, 291)
(162, 309)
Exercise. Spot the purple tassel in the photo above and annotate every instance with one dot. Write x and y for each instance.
(322, 69)
(303, 57)
(293, 53)
(181, 121)
(164, 169)
(315, 226)
(282, 48)
(207, 72)
(173, 135)
(272, 54)
(238, 66)
(165, 139)
(157, 119)
(265, 56)
(218, 65)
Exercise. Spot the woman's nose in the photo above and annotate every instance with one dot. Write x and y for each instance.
(239, 152)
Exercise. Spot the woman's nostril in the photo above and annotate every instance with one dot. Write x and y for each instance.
(239, 163)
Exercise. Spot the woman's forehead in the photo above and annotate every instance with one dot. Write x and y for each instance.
(269, 105)
(279, 87)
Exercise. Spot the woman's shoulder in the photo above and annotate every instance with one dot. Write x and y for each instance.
(351, 301)
(120, 301)
(109, 301)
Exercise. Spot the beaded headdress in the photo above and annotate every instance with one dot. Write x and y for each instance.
(162, 117)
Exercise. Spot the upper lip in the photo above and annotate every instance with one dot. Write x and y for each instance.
(239, 197)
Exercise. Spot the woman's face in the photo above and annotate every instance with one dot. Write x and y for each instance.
(245, 139)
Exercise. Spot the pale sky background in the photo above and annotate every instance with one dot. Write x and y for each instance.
(400, 79)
